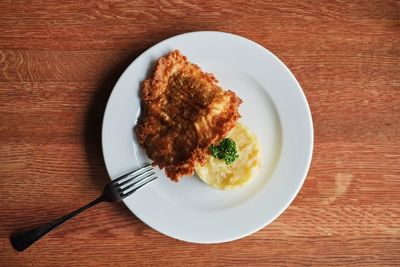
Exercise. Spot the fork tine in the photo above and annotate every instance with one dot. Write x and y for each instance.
(135, 182)
(147, 180)
(131, 182)
(130, 173)
(137, 177)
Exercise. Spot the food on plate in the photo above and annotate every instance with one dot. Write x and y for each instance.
(217, 173)
(184, 112)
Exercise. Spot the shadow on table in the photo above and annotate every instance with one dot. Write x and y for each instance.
(94, 120)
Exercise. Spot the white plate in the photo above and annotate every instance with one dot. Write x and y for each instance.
(274, 108)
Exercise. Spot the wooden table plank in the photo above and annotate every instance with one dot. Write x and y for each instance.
(59, 62)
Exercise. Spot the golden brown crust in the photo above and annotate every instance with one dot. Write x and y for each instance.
(184, 112)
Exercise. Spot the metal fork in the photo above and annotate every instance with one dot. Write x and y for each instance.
(114, 191)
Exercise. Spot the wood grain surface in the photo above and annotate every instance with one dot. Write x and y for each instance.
(59, 62)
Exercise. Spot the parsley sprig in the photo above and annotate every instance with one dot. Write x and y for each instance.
(225, 150)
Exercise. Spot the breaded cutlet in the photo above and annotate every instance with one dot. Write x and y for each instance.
(184, 111)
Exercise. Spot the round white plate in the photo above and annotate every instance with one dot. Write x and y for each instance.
(274, 108)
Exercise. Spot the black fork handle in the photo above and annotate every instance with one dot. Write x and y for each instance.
(22, 241)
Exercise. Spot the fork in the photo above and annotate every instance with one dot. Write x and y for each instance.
(114, 191)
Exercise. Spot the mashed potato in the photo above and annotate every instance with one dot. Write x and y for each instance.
(220, 175)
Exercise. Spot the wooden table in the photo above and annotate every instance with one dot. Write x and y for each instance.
(58, 65)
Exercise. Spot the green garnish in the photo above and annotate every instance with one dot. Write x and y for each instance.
(226, 150)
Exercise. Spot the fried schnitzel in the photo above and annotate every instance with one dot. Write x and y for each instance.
(184, 111)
